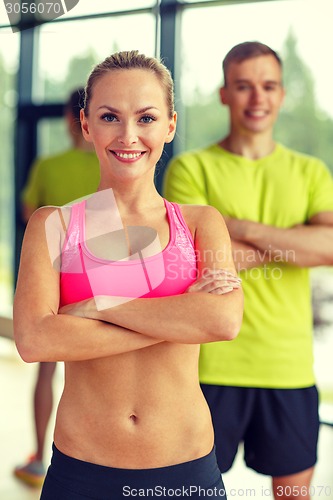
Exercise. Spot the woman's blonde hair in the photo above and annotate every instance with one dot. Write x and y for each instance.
(132, 60)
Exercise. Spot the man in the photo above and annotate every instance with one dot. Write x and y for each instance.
(278, 206)
(56, 180)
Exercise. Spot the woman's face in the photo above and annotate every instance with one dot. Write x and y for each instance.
(128, 123)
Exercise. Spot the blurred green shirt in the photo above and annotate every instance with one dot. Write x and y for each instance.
(62, 178)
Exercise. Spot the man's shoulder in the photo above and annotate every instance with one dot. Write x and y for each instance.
(46, 161)
(196, 157)
(70, 160)
(299, 156)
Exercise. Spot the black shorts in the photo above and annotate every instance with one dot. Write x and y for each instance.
(71, 479)
(279, 427)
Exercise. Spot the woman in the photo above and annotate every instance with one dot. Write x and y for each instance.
(125, 316)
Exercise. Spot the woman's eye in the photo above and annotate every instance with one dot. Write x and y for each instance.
(147, 119)
(108, 117)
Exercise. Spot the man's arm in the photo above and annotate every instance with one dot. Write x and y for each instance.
(30, 197)
(304, 245)
(247, 256)
(27, 211)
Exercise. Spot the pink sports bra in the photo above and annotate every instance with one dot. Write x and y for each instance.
(83, 275)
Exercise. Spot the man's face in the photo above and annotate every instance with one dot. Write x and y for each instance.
(254, 94)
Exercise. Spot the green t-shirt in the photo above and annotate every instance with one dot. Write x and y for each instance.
(274, 346)
(60, 179)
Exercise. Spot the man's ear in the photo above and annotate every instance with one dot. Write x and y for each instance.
(172, 128)
(85, 126)
(223, 95)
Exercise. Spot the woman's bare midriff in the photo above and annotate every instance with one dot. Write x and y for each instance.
(139, 410)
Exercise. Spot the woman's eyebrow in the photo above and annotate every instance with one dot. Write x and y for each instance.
(117, 111)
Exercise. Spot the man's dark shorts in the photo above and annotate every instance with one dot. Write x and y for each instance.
(279, 427)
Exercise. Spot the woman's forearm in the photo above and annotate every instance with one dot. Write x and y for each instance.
(61, 337)
(192, 318)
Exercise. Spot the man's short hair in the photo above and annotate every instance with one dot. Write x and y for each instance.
(75, 103)
(247, 50)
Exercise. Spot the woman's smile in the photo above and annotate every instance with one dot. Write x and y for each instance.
(127, 156)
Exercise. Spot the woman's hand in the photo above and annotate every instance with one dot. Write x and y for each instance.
(79, 309)
(215, 281)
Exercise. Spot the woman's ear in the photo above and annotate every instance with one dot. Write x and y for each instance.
(172, 128)
(85, 126)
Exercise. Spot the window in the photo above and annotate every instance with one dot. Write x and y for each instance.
(68, 50)
(85, 7)
(52, 136)
(3, 16)
(8, 67)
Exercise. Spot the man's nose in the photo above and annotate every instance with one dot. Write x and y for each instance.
(257, 95)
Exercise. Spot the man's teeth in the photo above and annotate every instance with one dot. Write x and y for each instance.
(128, 155)
(257, 113)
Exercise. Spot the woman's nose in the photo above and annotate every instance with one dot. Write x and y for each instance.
(128, 135)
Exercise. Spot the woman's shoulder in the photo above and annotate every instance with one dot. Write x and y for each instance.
(198, 217)
(199, 212)
(48, 219)
(46, 231)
